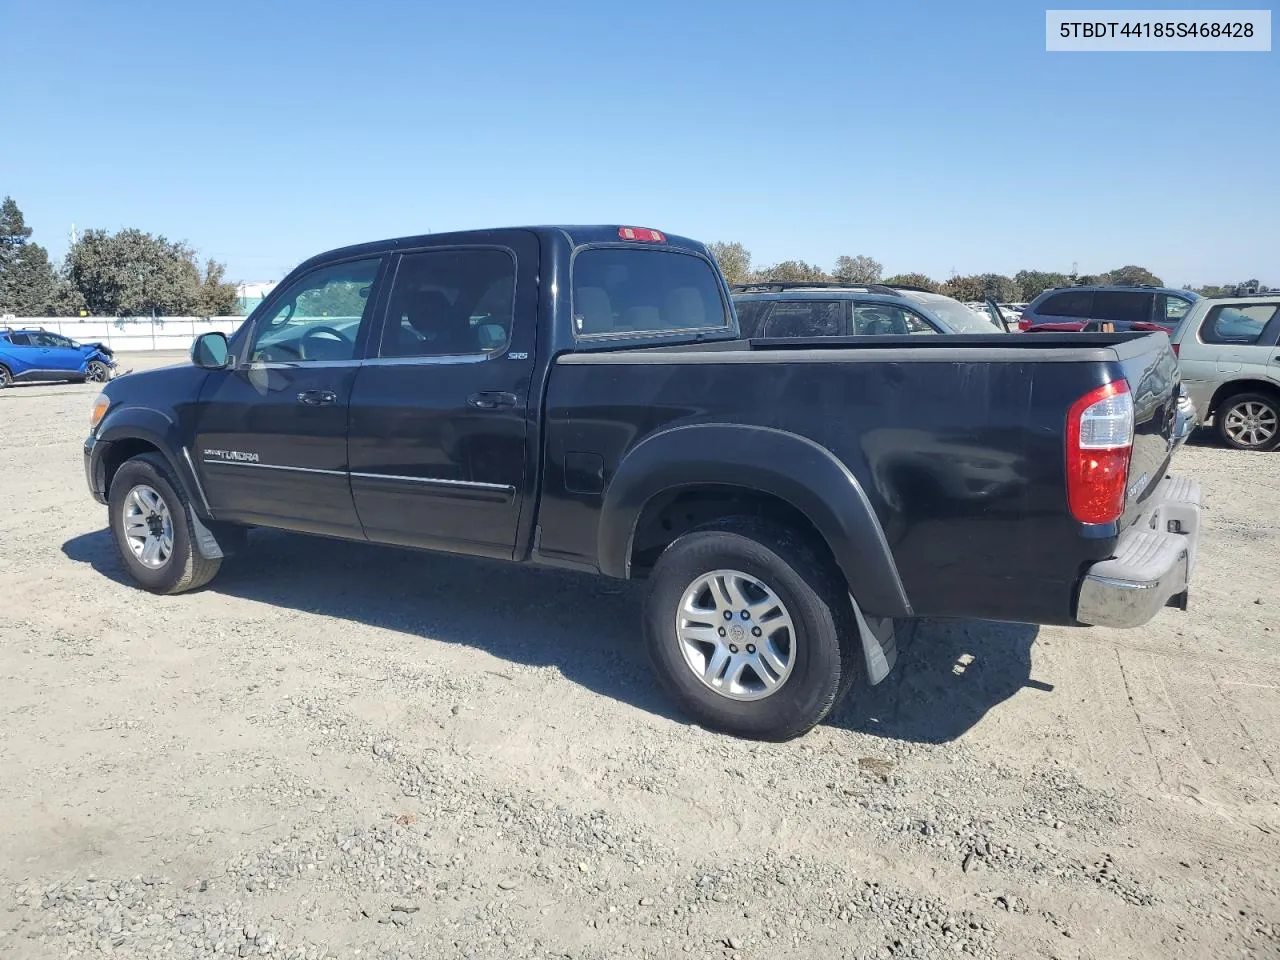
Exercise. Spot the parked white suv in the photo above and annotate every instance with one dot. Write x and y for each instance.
(1227, 351)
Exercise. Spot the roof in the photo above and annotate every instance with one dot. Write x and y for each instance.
(1090, 287)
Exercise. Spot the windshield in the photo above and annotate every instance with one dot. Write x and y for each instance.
(955, 315)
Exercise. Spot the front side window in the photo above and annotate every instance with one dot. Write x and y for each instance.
(451, 303)
(1069, 303)
(318, 317)
(1170, 310)
(1123, 305)
(881, 319)
(627, 291)
(1237, 324)
(52, 340)
(805, 318)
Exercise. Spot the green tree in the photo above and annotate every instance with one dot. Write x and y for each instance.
(733, 259)
(27, 280)
(998, 287)
(791, 271)
(132, 273)
(964, 288)
(217, 296)
(859, 269)
(913, 280)
(1035, 282)
(1132, 275)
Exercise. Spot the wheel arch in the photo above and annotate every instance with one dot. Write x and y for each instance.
(129, 431)
(725, 468)
(1235, 387)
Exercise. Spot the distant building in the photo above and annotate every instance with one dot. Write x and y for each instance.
(252, 294)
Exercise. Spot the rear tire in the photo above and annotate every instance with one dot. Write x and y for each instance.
(1248, 421)
(6, 378)
(698, 637)
(151, 527)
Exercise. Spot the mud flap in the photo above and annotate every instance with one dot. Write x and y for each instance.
(206, 542)
(879, 643)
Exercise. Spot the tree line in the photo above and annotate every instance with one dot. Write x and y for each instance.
(129, 273)
(735, 262)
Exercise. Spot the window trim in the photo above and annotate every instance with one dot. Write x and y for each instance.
(255, 320)
(726, 311)
(374, 353)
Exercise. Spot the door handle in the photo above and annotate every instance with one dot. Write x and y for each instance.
(491, 400)
(314, 398)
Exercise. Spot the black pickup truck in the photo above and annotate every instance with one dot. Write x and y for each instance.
(579, 397)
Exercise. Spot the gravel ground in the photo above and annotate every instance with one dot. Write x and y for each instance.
(338, 750)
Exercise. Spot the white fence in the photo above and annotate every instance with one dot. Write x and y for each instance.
(130, 333)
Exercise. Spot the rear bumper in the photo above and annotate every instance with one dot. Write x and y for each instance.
(1153, 563)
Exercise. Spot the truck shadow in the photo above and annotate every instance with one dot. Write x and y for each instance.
(588, 628)
(948, 675)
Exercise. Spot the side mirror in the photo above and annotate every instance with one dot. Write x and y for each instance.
(211, 351)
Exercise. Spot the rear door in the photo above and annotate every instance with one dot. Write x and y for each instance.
(1242, 337)
(271, 433)
(440, 412)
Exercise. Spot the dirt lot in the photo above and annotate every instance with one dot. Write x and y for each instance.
(341, 750)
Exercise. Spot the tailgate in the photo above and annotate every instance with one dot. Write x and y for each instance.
(1154, 382)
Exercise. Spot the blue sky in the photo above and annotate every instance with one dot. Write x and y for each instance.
(931, 137)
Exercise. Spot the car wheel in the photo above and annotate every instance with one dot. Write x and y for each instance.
(749, 629)
(1249, 421)
(151, 528)
(6, 377)
(97, 372)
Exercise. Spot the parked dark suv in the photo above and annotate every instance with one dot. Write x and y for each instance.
(797, 309)
(1064, 309)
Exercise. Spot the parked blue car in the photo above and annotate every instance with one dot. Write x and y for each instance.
(27, 355)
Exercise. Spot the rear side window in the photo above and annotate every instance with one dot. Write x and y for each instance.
(619, 291)
(805, 318)
(20, 340)
(1069, 303)
(750, 312)
(1129, 306)
(451, 303)
(1238, 324)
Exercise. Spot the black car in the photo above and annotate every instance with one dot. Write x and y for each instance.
(580, 397)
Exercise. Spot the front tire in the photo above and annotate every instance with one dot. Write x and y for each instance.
(97, 372)
(1249, 421)
(6, 378)
(750, 629)
(151, 528)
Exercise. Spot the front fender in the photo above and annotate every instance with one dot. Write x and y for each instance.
(766, 460)
(160, 431)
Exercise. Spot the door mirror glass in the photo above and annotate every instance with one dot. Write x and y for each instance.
(211, 351)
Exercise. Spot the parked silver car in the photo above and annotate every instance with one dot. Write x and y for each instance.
(1227, 350)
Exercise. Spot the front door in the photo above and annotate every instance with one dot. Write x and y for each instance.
(271, 433)
(440, 411)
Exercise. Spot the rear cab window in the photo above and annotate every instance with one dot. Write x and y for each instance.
(629, 292)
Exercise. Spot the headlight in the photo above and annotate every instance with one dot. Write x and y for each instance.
(99, 411)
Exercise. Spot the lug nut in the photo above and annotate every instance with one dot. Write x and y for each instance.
(721, 631)
(755, 631)
(751, 648)
(728, 614)
(746, 615)
(732, 648)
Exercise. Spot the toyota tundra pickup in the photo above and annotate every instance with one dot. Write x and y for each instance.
(579, 397)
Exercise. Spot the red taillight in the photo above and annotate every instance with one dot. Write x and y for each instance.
(1024, 321)
(1175, 348)
(1099, 442)
(641, 233)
